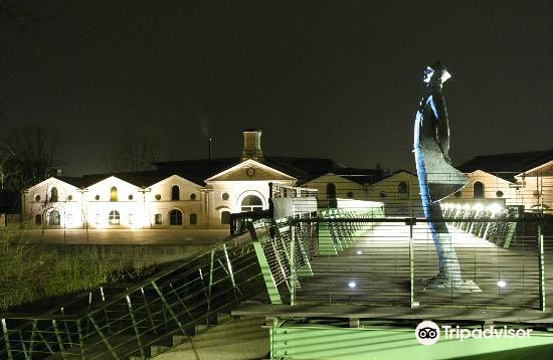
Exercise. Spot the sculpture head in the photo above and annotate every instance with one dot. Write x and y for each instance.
(436, 74)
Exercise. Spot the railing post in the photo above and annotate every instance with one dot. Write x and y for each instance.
(411, 222)
(148, 310)
(541, 260)
(173, 315)
(32, 340)
(7, 339)
(103, 337)
(81, 339)
(293, 275)
(135, 326)
(59, 338)
(231, 274)
(268, 278)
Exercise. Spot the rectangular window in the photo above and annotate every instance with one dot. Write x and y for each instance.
(131, 216)
(38, 219)
(193, 219)
(158, 219)
(98, 218)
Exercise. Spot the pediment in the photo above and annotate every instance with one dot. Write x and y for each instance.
(251, 170)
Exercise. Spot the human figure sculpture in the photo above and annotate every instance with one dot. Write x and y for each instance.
(437, 177)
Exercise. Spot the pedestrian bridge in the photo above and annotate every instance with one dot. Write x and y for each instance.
(340, 283)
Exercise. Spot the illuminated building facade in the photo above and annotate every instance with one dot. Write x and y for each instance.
(179, 194)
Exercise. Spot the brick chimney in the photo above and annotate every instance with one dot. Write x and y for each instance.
(252, 145)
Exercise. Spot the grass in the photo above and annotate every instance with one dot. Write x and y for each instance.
(30, 271)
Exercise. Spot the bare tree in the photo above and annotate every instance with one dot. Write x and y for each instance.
(29, 154)
(136, 149)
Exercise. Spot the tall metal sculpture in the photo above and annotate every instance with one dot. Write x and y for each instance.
(437, 177)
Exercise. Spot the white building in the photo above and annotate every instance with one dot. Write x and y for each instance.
(187, 194)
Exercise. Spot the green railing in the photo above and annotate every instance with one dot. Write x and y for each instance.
(143, 319)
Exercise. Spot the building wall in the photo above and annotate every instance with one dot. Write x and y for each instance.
(345, 189)
(485, 186)
(190, 203)
(38, 206)
(400, 194)
(237, 191)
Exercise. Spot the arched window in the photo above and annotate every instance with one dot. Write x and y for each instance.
(54, 217)
(113, 194)
(478, 190)
(54, 195)
(330, 191)
(225, 217)
(175, 217)
(251, 203)
(193, 219)
(175, 193)
(402, 190)
(114, 217)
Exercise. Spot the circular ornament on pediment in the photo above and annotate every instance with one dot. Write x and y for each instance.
(250, 172)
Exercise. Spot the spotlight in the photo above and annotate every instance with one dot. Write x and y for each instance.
(501, 283)
(352, 284)
(359, 252)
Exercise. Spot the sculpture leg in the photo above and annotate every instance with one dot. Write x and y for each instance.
(449, 272)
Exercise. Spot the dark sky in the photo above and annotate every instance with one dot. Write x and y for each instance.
(338, 79)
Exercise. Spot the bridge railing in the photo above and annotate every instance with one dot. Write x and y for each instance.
(393, 261)
(141, 320)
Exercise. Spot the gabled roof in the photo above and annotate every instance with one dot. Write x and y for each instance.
(507, 166)
(235, 173)
(303, 169)
(52, 178)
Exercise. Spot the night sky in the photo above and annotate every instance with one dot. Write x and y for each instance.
(336, 79)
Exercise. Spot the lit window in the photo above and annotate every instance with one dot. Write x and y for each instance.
(158, 219)
(402, 190)
(251, 203)
(54, 194)
(478, 190)
(175, 217)
(225, 217)
(113, 194)
(330, 191)
(114, 217)
(54, 217)
(175, 193)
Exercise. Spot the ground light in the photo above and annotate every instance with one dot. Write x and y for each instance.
(352, 284)
(501, 283)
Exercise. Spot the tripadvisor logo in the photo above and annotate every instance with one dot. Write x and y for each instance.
(428, 333)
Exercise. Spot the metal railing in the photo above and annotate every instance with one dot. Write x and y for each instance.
(163, 310)
(392, 261)
(335, 257)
